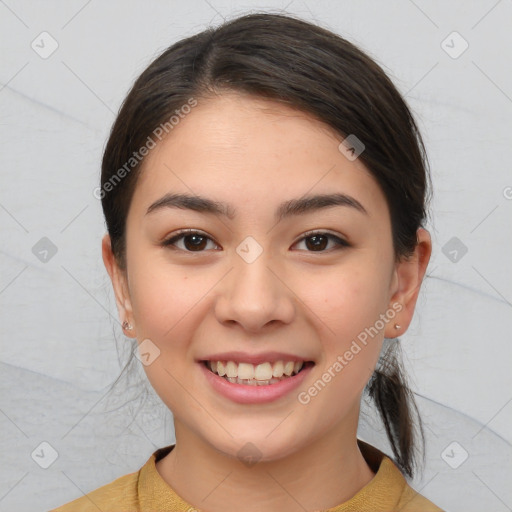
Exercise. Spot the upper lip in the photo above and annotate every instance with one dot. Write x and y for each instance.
(244, 357)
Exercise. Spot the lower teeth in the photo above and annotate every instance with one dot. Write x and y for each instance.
(254, 382)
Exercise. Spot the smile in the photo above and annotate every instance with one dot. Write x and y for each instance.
(263, 374)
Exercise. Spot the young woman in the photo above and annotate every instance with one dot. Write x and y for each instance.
(264, 188)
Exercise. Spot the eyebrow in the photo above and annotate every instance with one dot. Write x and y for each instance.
(299, 206)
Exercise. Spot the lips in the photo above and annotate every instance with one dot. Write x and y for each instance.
(253, 391)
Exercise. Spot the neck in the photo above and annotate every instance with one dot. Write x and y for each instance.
(323, 474)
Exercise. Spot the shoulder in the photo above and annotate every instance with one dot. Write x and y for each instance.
(389, 490)
(119, 495)
(412, 501)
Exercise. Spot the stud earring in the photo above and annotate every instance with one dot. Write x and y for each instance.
(127, 326)
(397, 326)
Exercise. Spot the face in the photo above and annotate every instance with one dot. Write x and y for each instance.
(262, 281)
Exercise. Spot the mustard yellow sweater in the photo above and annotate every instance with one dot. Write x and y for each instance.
(146, 491)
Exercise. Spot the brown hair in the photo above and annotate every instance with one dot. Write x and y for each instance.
(311, 69)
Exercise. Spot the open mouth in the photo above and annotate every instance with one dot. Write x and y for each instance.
(263, 374)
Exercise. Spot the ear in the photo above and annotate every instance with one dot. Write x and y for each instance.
(406, 283)
(120, 285)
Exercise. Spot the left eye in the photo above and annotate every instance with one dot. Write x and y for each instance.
(319, 240)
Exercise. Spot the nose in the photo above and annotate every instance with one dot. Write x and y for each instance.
(255, 295)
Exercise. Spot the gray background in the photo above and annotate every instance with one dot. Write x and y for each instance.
(58, 320)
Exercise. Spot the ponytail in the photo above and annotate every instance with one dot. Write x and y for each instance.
(397, 408)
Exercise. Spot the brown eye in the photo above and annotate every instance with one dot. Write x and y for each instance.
(318, 242)
(193, 241)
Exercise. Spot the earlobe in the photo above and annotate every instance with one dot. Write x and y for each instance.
(120, 286)
(407, 280)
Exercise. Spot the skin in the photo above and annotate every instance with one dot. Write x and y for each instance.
(254, 154)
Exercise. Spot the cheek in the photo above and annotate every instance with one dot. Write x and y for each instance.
(166, 303)
(162, 295)
(346, 301)
(348, 305)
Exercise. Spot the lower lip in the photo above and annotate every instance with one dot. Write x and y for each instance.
(244, 394)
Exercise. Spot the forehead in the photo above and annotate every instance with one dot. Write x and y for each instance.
(252, 153)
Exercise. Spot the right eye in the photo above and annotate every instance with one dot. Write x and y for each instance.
(193, 241)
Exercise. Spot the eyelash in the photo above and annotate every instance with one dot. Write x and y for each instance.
(182, 234)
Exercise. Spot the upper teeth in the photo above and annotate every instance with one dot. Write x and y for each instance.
(263, 371)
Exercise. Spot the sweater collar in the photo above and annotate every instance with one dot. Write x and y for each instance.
(381, 494)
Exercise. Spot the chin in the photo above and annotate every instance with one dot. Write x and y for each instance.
(258, 447)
